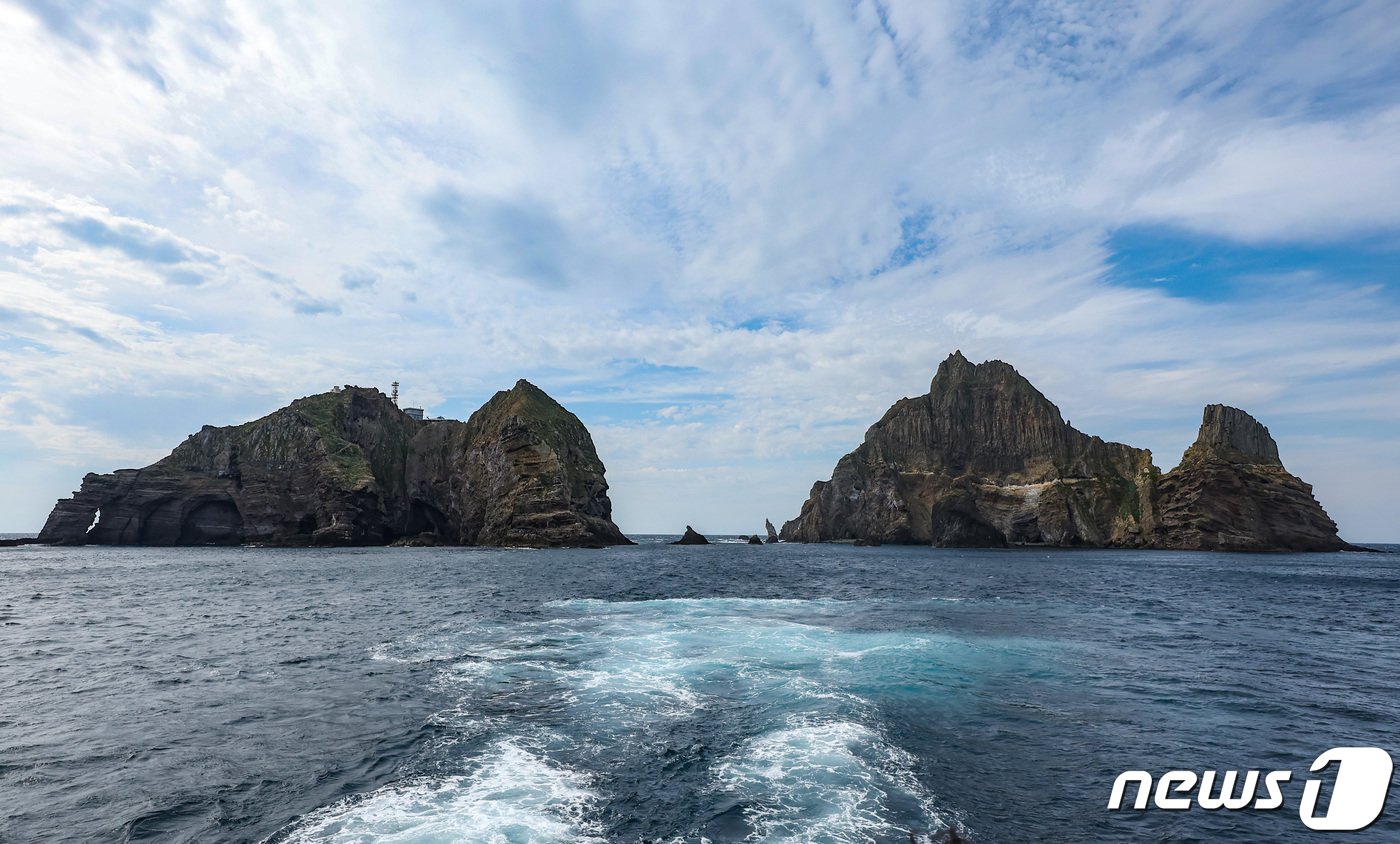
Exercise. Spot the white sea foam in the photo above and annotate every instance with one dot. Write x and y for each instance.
(638, 687)
(829, 782)
(416, 651)
(516, 796)
(627, 665)
(631, 670)
(691, 604)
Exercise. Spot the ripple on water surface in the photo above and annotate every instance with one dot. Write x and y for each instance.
(753, 704)
(828, 694)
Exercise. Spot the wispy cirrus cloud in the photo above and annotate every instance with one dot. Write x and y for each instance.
(729, 235)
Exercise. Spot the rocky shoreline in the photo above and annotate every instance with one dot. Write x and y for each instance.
(982, 460)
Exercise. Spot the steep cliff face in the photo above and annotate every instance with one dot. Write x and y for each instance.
(521, 471)
(1231, 493)
(349, 468)
(985, 460)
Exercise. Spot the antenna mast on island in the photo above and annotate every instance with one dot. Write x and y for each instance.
(395, 394)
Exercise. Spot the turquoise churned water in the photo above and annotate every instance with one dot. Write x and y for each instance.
(726, 693)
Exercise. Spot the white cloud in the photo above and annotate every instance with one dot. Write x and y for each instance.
(801, 208)
(1289, 181)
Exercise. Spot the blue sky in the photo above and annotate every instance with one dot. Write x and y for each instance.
(727, 235)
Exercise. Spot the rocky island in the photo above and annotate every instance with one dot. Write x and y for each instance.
(984, 459)
(348, 467)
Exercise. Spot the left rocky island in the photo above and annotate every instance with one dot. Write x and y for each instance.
(348, 467)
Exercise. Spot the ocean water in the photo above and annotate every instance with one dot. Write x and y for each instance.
(786, 693)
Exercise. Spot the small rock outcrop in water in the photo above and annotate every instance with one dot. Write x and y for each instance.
(755, 540)
(772, 532)
(690, 537)
(985, 460)
(349, 468)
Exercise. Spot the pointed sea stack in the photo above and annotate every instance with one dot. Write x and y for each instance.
(348, 467)
(983, 460)
(1231, 493)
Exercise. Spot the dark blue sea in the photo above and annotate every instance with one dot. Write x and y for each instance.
(790, 693)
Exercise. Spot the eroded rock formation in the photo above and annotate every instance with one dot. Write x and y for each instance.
(691, 537)
(1231, 493)
(349, 468)
(985, 460)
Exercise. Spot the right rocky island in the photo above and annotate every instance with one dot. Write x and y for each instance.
(985, 460)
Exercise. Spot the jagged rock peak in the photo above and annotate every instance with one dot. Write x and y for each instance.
(534, 408)
(956, 368)
(348, 467)
(523, 386)
(1230, 434)
(525, 393)
(954, 361)
(929, 469)
(986, 459)
(1230, 492)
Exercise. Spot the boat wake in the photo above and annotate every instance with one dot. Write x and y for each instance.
(723, 719)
